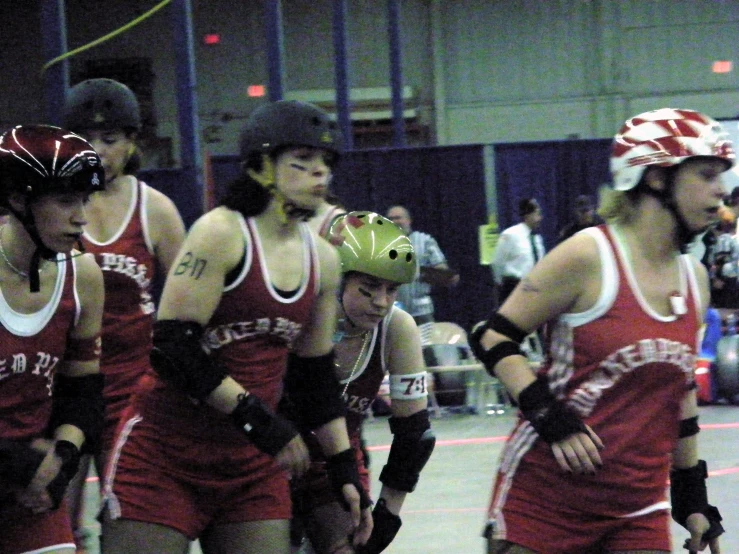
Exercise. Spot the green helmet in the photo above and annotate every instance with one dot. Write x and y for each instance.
(370, 243)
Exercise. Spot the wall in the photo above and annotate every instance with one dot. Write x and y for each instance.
(487, 71)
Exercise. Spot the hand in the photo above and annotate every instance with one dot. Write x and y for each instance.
(578, 453)
(361, 517)
(698, 524)
(386, 527)
(35, 496)
(294, 457)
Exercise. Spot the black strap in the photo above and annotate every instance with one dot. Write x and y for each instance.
(269, 432)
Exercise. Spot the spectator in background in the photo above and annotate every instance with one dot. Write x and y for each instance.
(585, 216)
(732, 201)
(722, 261)
(518, 250)
(433, 270)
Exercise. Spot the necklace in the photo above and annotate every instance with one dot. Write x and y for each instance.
(4, 256)
(360, 358)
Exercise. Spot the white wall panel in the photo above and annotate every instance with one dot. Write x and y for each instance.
(514, 50)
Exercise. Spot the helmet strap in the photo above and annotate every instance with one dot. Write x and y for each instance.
(286, 208)
(42, 251)
(667, 198)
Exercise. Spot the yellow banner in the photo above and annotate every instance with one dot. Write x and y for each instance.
(488, 239)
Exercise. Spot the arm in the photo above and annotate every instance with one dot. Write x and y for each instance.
(690, 507)
(166, 228)
(312, 347)
(316, 341)
(434, 268)
(413, 439)
(77, 411)
(552, 288)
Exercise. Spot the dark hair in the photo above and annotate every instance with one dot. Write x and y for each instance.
(244, 194)
(133, 165)
(527, 206)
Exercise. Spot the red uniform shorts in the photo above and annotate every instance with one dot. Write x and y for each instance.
(35, 533)
(158, 475)
(558, 532)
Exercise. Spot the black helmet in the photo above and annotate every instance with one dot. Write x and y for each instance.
(288, 123)
(41, 159)
(101, 104)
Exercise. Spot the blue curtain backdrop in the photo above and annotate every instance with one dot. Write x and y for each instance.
(444, 189)
(553, 172)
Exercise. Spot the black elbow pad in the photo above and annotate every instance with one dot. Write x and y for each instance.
(413, 443)
(313, 390)
(179, 359)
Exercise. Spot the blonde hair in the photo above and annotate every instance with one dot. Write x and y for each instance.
(616, 206)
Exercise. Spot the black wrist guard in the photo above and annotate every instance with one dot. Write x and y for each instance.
(79, 401)
(269, 432)
(387, 525)
(688, 495)
(18, 462)
(70, 456)
(553, 420)
(342, 470)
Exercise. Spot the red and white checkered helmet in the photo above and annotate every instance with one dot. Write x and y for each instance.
(665, 137)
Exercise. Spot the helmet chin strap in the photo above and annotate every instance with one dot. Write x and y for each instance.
(42, 251)
(286, 208)
(684, 234)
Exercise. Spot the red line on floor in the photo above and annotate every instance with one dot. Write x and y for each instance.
(487, 440)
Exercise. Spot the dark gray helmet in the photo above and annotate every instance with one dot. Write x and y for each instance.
(42, 159)
(101, 104)
(288, 123)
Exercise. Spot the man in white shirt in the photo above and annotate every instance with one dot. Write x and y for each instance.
(518, 250)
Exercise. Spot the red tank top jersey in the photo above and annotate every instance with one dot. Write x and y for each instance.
(250, 332)
(31, 347)
(128, 266)
(625, 369)
(328, 219)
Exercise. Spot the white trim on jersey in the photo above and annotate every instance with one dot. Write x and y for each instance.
(249, 256)
(126, 220)
(28, 325)
(144, 217)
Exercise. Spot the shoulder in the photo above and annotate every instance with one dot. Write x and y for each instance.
(89, 276)
(219, 223)
(401, 324)
(328, 257)
(159, 207)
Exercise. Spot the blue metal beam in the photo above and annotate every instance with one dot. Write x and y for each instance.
(275, 48)
(54, 37)
(187, 112)
(343, 109)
